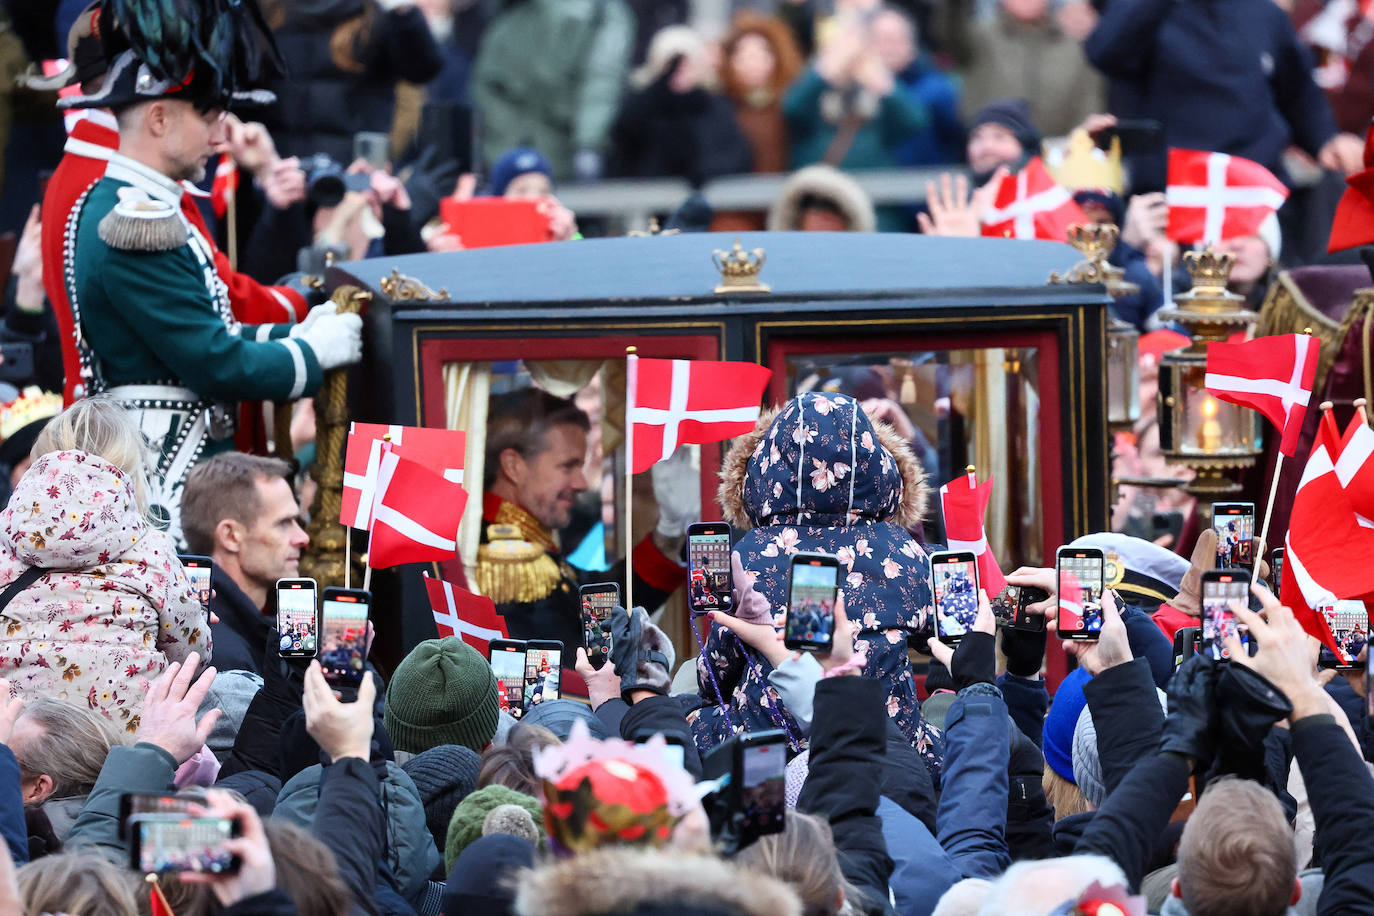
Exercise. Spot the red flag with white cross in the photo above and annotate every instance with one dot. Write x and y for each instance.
(676, 402)
(458, 612)
(440, 450)
(1214, 197)
(415, 515)
(1032, 205)
(1273, 375)
(964, 503)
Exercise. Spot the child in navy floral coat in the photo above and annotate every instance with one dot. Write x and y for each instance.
(818, 475)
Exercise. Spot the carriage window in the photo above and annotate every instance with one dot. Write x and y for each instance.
(956, 408)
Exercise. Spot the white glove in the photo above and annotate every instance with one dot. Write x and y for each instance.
(337, 340)
(314, 315)
(677, 490)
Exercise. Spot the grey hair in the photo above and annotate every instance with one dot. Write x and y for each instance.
(73, 748)
(1040, 888)
(964, 898)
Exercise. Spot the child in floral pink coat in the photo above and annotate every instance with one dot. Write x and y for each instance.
(116, 607)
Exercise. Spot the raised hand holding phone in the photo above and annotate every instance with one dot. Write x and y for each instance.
(1111, 648)
(1284, 654)
(975, 659)
(340, 729)
(257, 872)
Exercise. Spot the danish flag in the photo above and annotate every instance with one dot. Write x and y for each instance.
(1329, 548)
(1032, 205)
(457, 612)
(415, 514)
(440, 450)
(964, 502)
(1353, 223)
(675, 402)
(1214, 197)
(225, 185)
(1273, 375)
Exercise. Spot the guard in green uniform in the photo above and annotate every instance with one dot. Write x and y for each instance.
(153, 319)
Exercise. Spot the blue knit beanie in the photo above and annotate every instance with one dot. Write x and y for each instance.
(516, 162)
(1061, 721)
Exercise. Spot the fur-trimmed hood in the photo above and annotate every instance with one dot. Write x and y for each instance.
(827, 182)
(819, 475)
(820, 460)
(618, 882)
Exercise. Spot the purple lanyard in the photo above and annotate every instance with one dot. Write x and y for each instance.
(774, 713)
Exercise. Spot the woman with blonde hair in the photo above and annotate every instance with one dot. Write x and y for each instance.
(94, 603)
(77, 883)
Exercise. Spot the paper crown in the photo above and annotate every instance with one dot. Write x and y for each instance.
(32, 404)
(1081, 166)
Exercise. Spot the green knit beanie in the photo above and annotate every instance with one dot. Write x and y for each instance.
(443, 692)
(466, 825)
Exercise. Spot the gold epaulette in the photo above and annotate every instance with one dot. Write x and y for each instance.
(511, 569)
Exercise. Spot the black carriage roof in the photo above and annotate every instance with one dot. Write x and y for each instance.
(677, 269)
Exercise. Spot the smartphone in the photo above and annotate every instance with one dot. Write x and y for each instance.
(1234, 524)
(1187, 643)
(543, 671)
(507, 657)
(161, 844)
(198, 571)
(1025, 620)
(134, 803)
(1079, 572)
(954, 575)
(813, 584)
(298, 618)
(1276, 569)
(598, 601)
(759, 777)
(708, 568)
(1220, 587)
(343, 635)
(1349, 624)
(372, 146)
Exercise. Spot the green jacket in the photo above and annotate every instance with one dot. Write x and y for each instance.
(163, 316)
(894, 120)
(548, 76)
(141, 768)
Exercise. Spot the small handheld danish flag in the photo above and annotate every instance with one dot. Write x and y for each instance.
(1214, 197)
(676, 402)
(457, 612)
(440, 450)
(1273, 375)
(964, 502)
(1032, 205)
(415, 515)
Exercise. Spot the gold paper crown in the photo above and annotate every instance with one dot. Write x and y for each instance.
(1209, 268)
(1081, 166)
(739, 270)
(32, 404)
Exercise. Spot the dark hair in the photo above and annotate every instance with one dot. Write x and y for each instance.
(521, 420)
(226, 486)
(811, 201)
(512, 764)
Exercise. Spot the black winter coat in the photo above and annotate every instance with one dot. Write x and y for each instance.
(320, 106)
(664, 134)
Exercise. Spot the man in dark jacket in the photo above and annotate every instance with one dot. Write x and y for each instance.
(1226, 76)
(240, 511)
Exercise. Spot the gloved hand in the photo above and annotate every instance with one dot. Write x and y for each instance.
(1248, 705)
(1191, 728)
(1025, 651)
(587, 165)
(336, 340)
(750, 605)
(641, 653)
(313, 317)
(677, 490)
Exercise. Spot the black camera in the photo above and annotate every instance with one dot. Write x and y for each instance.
(326, 181)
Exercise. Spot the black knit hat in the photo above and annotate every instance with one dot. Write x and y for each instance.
(444, 775)
(1015, 116)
